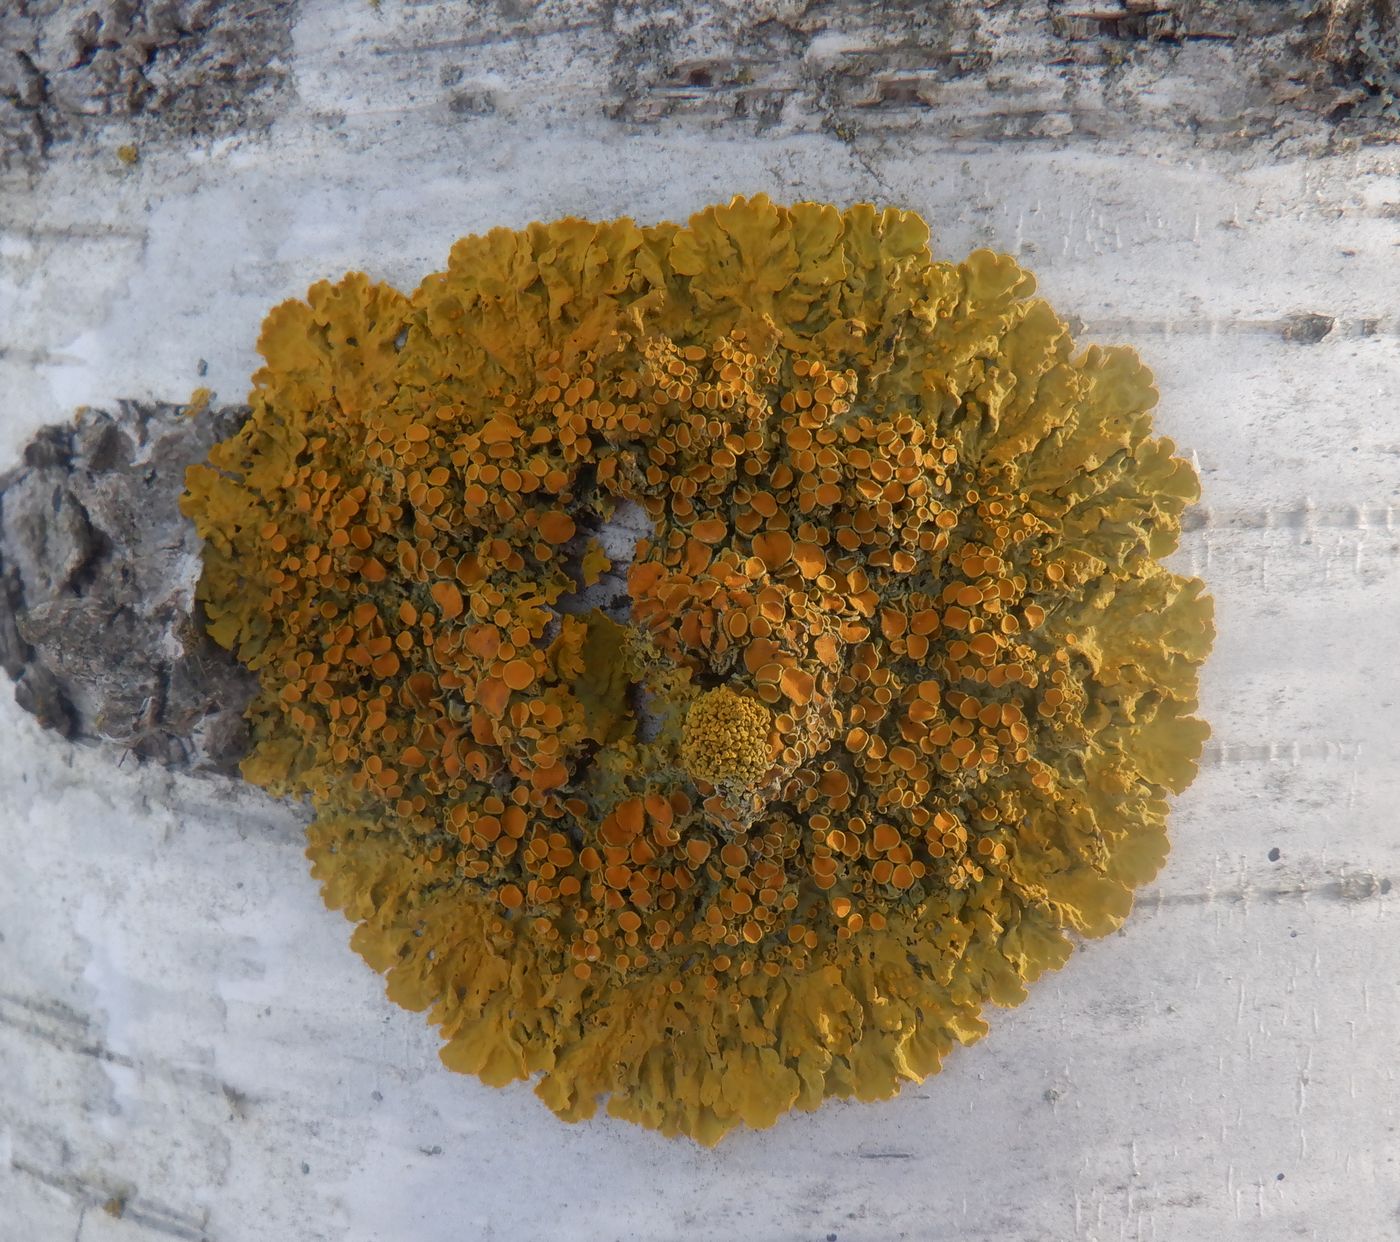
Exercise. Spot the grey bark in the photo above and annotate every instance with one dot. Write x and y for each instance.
(1289, 72)
(98, 625)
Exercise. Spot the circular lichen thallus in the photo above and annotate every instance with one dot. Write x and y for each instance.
(891, 704)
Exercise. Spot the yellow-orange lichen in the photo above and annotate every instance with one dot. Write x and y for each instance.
(895, 702)
(725, 738)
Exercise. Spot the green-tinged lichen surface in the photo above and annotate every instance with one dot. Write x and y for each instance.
(898, 705)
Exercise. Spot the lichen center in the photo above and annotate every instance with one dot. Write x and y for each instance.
(727, 739)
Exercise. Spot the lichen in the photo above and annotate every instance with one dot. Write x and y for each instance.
(726, 738)
(893, 509)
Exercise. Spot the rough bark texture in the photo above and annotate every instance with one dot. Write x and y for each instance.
(97, 575)
(1317, 72)
(1271, 71)
(199, 67)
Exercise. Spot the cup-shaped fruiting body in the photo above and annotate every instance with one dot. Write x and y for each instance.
(893, 703)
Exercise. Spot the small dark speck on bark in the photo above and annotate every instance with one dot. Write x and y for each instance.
(1307, 329)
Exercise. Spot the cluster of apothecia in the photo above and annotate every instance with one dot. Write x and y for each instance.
(896, 701)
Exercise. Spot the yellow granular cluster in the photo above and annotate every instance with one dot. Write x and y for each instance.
(726, 738)
(894, 702)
